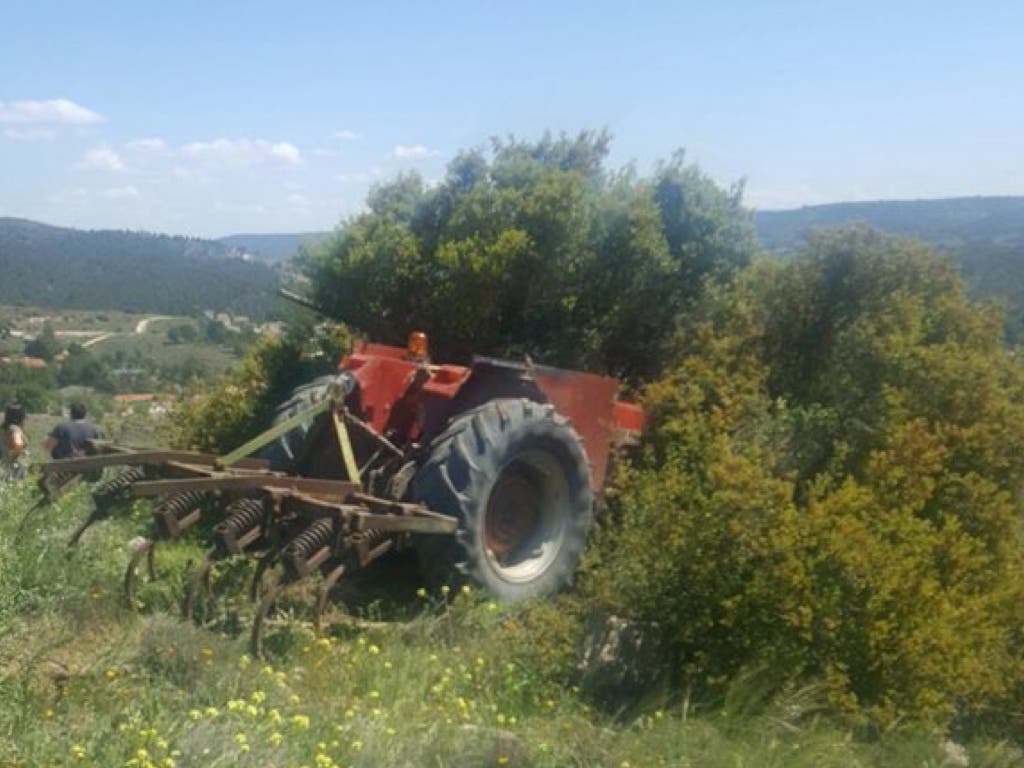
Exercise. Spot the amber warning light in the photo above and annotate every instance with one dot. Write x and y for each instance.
(417, 346)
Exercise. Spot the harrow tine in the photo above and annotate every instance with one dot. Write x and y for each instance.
(143, 548)
(198, 579)
(324, 594)
(106, 497)
(265, 563)
(240, 530)
(91, 520)
(262, 610)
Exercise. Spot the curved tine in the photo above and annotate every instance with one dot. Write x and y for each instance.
(131, 572)
(150, 562)
(266, 561)
(324, 594)
(200, 577)
(24, 520)
(266, 603)
(86, 524)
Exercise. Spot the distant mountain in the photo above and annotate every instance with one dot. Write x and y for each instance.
(984, 235)
(274, 248)
(42, 265)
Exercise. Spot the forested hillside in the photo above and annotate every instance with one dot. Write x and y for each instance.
(48, 266)
(274, 247)
(985, 235)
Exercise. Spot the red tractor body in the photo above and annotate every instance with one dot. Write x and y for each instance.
(412, 401)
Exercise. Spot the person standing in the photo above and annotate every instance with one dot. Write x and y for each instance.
(69, 439)
(13, 443)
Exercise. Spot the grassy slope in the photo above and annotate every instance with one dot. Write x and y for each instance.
(83, 681)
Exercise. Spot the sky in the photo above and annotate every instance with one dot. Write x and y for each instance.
(212, 118)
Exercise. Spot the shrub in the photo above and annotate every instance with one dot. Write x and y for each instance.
(829, 487)
(242, 403)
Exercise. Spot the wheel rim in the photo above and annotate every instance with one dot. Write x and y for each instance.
(526, 516)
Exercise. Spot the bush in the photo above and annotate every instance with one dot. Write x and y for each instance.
(829, 487)
(242, 403)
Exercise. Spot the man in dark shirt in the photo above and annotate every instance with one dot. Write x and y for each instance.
(68, 439)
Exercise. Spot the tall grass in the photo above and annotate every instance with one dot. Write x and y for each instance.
(84, 681)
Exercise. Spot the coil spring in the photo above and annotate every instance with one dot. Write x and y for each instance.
(52, 484)
(180, 504)
(115, 488)
(317, 535)
(242, 516)
(371, 537)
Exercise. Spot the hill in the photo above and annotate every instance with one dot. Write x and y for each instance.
(49, 266)
(985, 235)
(271, 247)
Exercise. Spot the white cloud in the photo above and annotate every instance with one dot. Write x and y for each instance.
(146, 145)
(55, 111)
(243, 151)
(285, 151)
(121, 193)
(29, 134)
(413, 151)
(101, 159)
(346, 135)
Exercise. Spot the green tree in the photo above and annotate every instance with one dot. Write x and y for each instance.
(535, 248)
(829, 486)
(45, 345)
(33, 388)
(184, 333)
(83, 368)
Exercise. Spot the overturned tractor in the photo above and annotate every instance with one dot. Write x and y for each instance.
(489, 471)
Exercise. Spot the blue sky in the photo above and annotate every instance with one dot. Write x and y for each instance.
(213, 118)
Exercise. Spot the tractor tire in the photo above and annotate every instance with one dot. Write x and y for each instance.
(516, 476)
(287, 449)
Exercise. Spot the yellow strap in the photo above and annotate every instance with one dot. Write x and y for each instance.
(346, 448)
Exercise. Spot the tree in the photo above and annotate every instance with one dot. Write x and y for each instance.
(185, 333)
(84, 369)
(535, 248)
(45, 345)
(32, 387)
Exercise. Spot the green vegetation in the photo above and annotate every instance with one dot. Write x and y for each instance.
(131, 271)
(536, 249)
(985, 235)
(243, 402)
(830, 485)
(112, 352)
(86, 682)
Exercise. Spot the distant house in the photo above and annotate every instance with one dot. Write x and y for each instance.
(28, 362)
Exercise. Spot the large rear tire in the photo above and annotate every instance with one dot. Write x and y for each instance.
(284, 452)
(515, 474)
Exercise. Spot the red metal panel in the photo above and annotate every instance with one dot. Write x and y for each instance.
(588, 401)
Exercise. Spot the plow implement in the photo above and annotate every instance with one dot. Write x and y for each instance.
(299, 526)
